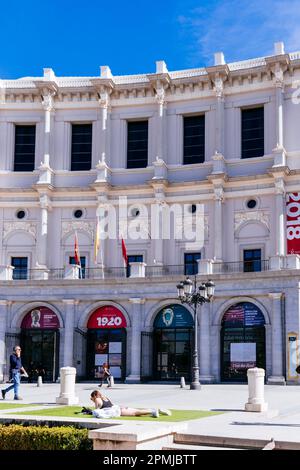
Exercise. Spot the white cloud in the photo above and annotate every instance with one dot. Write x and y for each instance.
(241, 29)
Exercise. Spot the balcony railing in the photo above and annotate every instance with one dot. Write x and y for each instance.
(141, 270)
(241, 267)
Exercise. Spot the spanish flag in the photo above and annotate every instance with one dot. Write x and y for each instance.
(76, 251)
(124, 253)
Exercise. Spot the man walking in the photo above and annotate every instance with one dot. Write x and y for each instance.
(15, 370)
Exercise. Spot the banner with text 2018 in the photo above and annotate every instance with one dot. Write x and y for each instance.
(293, 223)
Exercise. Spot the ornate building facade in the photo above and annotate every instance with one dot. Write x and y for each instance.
(222, 138)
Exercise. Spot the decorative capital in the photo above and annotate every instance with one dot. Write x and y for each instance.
(280, 186)
(48, 101)
(219, 193)
(45, 202)
(136, 301)
(219, 87)
(104, 99)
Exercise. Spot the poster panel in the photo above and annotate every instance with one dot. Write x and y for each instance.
(293, 223)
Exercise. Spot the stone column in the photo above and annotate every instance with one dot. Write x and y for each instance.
(161, 123)
(3, 324)
(157, 226)
(204, 316)
(218, 223)
(136, 329)
(104, 102)
(42, 237)
(277, 377)
(69, 331)
(219, 90)
(280, 227)
(45, 172)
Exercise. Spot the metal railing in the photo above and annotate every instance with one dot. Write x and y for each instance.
(241, 267)
(150, 271)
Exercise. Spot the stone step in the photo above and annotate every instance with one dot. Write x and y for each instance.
(233, 442)
(194, 447)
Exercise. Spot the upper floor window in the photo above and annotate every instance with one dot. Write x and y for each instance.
(137, 144)
(81, 155)
(24, 148)
(253, 142)
(252, 260)
(21, 266)
(82, 264)
(193, 139)
(191, 263)
(133, 259)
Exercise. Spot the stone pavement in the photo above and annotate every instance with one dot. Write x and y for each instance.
(284, 426)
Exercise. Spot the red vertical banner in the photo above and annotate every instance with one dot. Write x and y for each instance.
(293, 223)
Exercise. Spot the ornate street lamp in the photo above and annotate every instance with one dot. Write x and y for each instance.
(189, 294)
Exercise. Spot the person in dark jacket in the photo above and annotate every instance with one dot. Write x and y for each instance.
(15, 369)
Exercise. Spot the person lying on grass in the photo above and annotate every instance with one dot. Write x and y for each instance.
(104, 408)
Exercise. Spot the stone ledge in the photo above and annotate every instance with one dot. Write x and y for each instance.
(135, 436)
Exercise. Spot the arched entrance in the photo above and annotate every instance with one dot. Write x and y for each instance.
(173, 335)
(106, 342)
(243, 342)
(40, 343)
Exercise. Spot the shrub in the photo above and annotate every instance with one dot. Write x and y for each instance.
(18, 437)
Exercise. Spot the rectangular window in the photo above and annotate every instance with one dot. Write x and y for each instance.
(191, 263)
(83, 265)
(133, 259)
(252, 261)
(193, 139)
(81, 156)
(137, 144)
(24, 148)
(253, 142)
(21, 267)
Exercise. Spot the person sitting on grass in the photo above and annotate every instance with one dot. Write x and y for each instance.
(104, 408)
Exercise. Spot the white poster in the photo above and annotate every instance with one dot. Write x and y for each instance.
(115, 372)
(115, 348)
(243, 352)
(100, 359)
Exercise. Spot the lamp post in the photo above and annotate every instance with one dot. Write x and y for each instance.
(189, 294)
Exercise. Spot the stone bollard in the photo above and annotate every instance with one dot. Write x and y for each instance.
(182, 382)
(111, 381)
(67, 387)
(39, 381)
(256, 389)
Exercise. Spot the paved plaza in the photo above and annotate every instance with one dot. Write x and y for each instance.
(282, 422)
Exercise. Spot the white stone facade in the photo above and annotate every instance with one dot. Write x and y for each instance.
(224, 183)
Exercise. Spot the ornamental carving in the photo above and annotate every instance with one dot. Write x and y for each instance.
(71, 227)
(253, 216)
(10, 227)
(48, 102)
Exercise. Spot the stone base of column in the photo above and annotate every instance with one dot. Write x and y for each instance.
(67, 400)
(207, 379)
(276, 380)
(256, 407)
(133, 379)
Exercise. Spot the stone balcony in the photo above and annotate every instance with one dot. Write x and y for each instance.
(141, 270)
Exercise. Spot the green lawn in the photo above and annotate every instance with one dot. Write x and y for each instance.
(70, 412)
(6, 406)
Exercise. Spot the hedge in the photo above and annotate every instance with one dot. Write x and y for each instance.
(18, 437)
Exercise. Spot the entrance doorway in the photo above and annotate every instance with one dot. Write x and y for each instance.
(243, 343)
(106, 343)
(40, 344)
(173, 336)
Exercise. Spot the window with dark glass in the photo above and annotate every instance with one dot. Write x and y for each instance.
(252, 261)
(83, 265)
(24, 148)
(137, 144)
(21, 267)
(81, 156)
(253, 144)
(133, 259)
(191, 263)
(193, 139)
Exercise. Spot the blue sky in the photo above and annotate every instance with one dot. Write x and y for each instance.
(76, 37)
